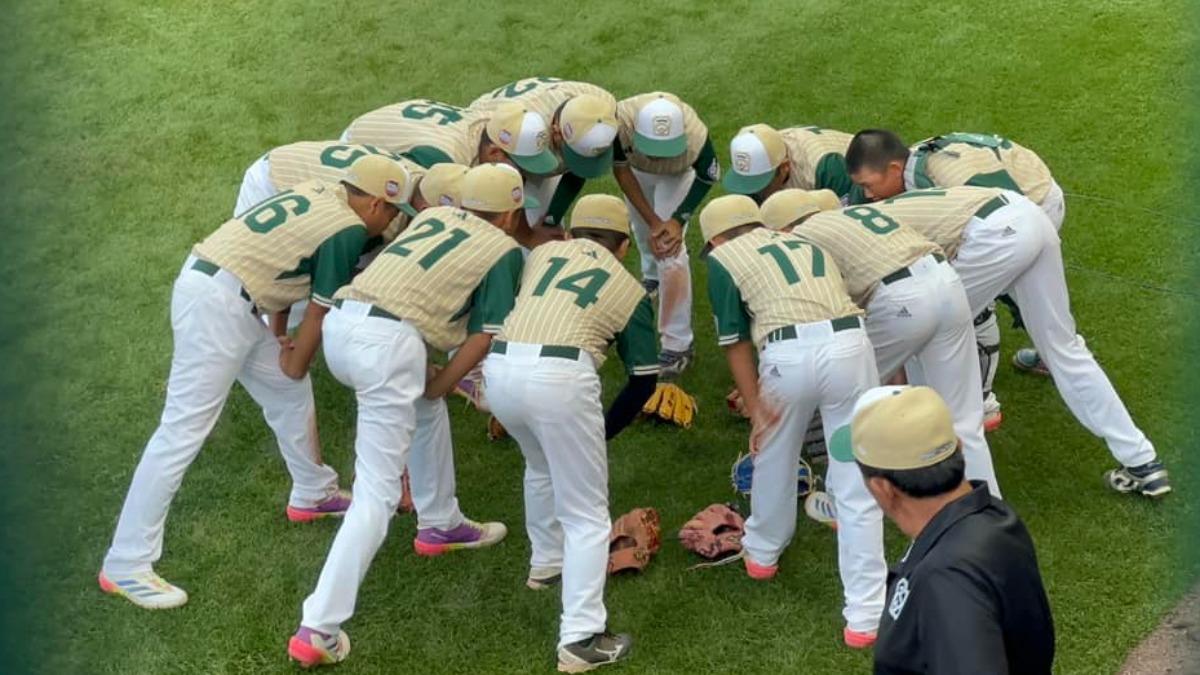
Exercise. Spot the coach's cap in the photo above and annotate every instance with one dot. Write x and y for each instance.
(495, 188)
(658, 127)
(896, 428)
(785, 207)
(600, 212)
(384, 178)
(755, 151)
(524, 136)
(442, 184)
(589, 126)
(725, 213)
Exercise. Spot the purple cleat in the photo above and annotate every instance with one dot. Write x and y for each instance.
(334, 506)
(431, 541)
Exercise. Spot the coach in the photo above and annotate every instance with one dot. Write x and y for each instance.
(967, 597)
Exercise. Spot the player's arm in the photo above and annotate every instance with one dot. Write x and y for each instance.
(632, 189)
(831, 174)
(637, 346)
(491, 302)
(569, 187)
(708, 172)
(733, 330)
(332, 267)
(279, 322)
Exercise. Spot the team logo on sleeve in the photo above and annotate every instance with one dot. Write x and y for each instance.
(741, 162)
(714, 170)
(899, 597)
(661, 125)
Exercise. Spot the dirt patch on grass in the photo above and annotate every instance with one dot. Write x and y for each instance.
(1173, 647)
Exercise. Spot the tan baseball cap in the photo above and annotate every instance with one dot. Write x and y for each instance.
(382, 177)
(524, 136)
(600, 212)
(589, 127)
(755, 152)
(725, 213)
(787, 206)
(495, 188)
(896, 428)
(442, 184)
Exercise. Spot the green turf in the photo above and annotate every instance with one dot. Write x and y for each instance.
(127, 127)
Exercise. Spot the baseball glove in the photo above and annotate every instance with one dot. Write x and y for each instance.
(715, 533)
(636, 537)
(495, 430)
(741, 476)
(671, 404)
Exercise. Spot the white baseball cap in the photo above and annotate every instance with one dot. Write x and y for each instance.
(755, 152)
(524, 136)
(658, 128)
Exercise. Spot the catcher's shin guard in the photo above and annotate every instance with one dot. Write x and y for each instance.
(987, 339)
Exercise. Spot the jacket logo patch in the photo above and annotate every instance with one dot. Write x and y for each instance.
(899, 597)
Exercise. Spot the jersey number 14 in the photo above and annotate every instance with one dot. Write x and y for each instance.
(585, 285)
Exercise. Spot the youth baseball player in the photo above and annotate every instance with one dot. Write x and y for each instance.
(764, 160)
(783, 295)
(448, 283)
(583, 127)
(916, 306)
(665, 163)
(304, 242)
(576, 299)
(999, 241)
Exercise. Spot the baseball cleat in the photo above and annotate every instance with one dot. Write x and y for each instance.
(819, 506)
(334, 506)
(1149, 479)
(992, 421)
(671, 364)
(1029, 361)
(599, 650)
(651, 288)
(858, 640)
(471, 388)
(759, 572)
(144, 589)
(312, 648)
(432, 541)
(541, 578)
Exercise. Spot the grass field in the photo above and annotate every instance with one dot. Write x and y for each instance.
(126, 130)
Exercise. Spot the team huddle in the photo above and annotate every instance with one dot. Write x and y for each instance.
(435, 234)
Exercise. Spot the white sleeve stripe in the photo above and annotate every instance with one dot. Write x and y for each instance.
(322, 300)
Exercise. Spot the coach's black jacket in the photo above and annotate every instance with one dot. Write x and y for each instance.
(967, 597)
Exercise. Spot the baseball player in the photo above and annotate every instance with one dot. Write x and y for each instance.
(916, 306)
(583, 127)
(783, 295)
(304, 242)
(448, 283)
(576, 299)
(665, 164)
(764, 160)
(999, 241)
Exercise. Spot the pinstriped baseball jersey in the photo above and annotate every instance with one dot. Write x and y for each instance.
(807, 147)
(764, 280)
(302, 241)
(436, 276)
(866, 244)
(940, 215)
(415, 127)
(323, 160)
(693, 128)
(576, 293)
(982, 160)
(543, 95)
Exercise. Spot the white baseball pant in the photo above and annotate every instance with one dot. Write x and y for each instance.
(1054, 205)
(551, 406)
(1016, 249)
(826, 370)
(542, 188)
(384, 361)
(665, 193)
(925, 319)
(217, 341)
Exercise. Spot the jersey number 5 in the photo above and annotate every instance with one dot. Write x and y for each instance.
(784, 261)
(585, 285)
(418, 111)
(424, 230)
(272, 213)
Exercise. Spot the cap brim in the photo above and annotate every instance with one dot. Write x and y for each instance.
(587, 167)
(540, 164)
(659, 147)
(406, 208)
(840, 447)
(743, 184)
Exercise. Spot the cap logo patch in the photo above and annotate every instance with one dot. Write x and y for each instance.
(596, 220)
(517, 197)
(568, 131)
(445, 200)
(741, 162)
(661, 125)
(540, 141)
(505, 137)
(392, 188)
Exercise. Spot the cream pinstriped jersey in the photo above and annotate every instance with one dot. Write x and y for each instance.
(963, 163)
(301, 240)
(940, 215)
(693, 128)
(781, 280)
(574, 293)
(403, 126)
(867, 246)
(428, 275)
(806, 147)
(543, 95)
(323, 160)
